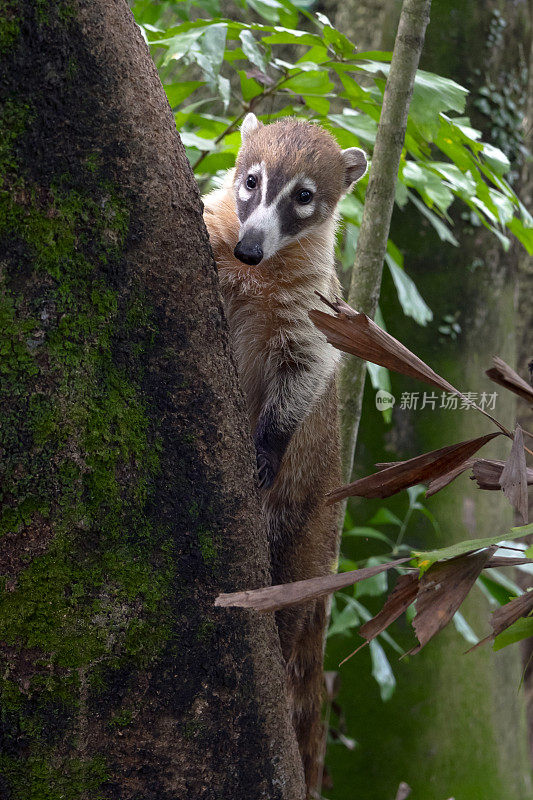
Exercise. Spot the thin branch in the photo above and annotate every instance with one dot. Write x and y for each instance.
(379, 202)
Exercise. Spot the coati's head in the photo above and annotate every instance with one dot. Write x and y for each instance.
(289, 177)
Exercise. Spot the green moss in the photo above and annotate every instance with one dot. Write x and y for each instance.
(9, 26)
(121, 719)
(209, 546)
(206, 630)
(79, 457)
(43, 778)
(14, 116)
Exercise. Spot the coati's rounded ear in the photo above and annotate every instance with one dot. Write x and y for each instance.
(249, 124)
(356, 166)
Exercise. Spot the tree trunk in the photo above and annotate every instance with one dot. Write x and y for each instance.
(525, 350)
(371, 248)
(128, 497)
(455, 725)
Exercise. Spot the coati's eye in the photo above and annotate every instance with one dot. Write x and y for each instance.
(304, 197)
(251, 182)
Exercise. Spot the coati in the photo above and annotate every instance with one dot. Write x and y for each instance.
(272, 229)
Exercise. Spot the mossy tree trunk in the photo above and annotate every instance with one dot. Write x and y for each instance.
(127, 494)
(455, 725)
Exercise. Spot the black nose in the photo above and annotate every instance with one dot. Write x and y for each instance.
(248, 253)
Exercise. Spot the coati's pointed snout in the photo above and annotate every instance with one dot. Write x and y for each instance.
(248, 253)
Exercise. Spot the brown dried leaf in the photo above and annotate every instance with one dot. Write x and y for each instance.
(502, 374)
(359, 335)
(272, 598)
(442, 590)
(487, 473)
(504, 561)
(399, 600)
(259, 76)
(423, 468)
(513, 479)
(503, 617)
(439, 483)
(355, 333)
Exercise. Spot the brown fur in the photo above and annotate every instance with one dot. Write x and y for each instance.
(267, 306)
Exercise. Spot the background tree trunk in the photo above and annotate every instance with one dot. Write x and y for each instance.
(371, 247)
(455, 726)
(524, 355)
(128, 497)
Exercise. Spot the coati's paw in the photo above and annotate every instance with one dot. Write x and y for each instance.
(267, 468)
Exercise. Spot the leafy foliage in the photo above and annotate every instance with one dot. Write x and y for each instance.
(280, 59)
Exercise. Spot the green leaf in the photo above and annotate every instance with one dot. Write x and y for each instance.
(521, 629)
(411, 301)
(311, 82)
(511, 588)
(292, 36)
(373, 55)
(442, 229)
(224, 90)
(493, 591)
(523, 234)
(496, 158)
(380, 379)
(180, 44)
(429, 185)
(318, 104)
(216, 162)
(338, 41)
(252, 50)
(376, 585)
(343, 621)
(425, 559)
(369, 533)
(249, 87)
(210, 51)
(192, 140)
(381, 671)
(178, 92)
(361, 125)
(433, 94)
(523, 530)
(352, 208)
(459, 181)
(384, 516)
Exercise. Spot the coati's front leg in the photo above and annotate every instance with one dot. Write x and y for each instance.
(271, 439)
(293, 384)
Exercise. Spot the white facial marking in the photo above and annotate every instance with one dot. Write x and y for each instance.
(266, 218)
(244, 193)
(305, 211)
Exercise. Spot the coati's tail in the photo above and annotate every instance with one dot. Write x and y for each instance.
(305, 681)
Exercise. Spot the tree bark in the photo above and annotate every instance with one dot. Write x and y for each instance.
(128, 499)
(379, 201)
(525, 350)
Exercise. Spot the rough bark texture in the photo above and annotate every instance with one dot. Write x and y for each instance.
(525, 352)
(379, 201)
(455, 725)
(128, 498)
